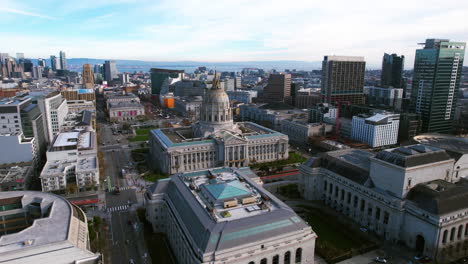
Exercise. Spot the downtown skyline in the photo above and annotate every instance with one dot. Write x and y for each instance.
(219, 31)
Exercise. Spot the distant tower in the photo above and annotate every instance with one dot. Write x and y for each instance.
(343, 79)
(392, 70)
(42, 62)
(3, 56)
(20, 57)
(63, 60)
(110, 70)
(436, 83)
(278, 87)
(88, 76)
(54, 63)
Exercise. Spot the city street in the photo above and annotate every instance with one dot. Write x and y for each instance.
(126, 241)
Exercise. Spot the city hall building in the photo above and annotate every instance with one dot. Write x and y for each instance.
(222, 216)
(215, 140)
(412, 195)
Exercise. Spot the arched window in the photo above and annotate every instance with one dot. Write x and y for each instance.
(325, 186)
(264, 261)
(444, 237)
(251, 262)
(466, 230)
(460, 231)
(287, 257)
(452, 234)
(275, 259)
(298, 255)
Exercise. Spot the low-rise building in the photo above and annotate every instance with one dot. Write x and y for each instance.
(41, 227)
(407, 194)
(222, 216)
(17, 149)
(300, 131)
(15, 177)
(188, 106)
(243, 96)
(271, 114)
(71, 160)
(380, 129)
(125, 111)
(76, 106)
(117, 98)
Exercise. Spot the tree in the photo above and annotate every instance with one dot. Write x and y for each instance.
(71, 188)
(126, 126)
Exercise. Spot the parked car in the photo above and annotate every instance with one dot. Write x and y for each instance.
(380, 260)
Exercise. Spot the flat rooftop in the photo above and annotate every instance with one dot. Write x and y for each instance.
(450, 143)
(51, 226)
(226, 196)
(222, 208)
(182, 136)
(412, 156)
(66, 139)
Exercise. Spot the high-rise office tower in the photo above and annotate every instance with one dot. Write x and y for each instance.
(41, 62)
(158, 76)
(98, 68)
(278, 87)
(392, 70)
(20, 57)
(63, 60)
(88, 76)
(54, 63)
(343, 79)
(27, 65)
(110, 70)
(3, 56)
(436, 83)
(37, 71)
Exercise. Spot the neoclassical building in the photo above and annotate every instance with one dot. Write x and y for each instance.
(215, 140)
(412, 194)
(222, 216)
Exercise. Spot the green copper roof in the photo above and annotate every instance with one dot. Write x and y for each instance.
(227, 190)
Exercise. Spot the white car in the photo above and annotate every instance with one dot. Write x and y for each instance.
(380, 260)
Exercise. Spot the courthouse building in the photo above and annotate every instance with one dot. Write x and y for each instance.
(412, 194)
(222, 216)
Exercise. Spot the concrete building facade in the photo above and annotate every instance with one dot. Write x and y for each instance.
(223, 216)
(407, 194)
(380, 129)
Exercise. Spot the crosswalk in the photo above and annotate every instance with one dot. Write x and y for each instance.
(121, 188)
(117, 208)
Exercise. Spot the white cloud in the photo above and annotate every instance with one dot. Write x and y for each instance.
(22, 12)
(236, 30)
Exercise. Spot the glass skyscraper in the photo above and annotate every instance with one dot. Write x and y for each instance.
(436, 83)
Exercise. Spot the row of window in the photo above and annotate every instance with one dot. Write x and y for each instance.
(347, 197)
(454, 231)
(287, 258)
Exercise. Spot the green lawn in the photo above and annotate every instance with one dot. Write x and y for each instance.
(139, 138)
(153, 177)
(293, 157)
(142, 134)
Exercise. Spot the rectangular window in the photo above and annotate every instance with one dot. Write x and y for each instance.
(377, 213)
(386, 218)
(363, 204)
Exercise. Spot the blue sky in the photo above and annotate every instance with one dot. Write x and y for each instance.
(227, 30)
